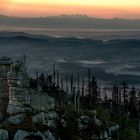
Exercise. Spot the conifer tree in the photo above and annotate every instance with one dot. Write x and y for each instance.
(132, 100)
(115, 94)
(94, 93)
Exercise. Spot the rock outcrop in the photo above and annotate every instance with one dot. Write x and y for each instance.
(45, 118)
(18, 103)
(19, 97)
(4, 90)
(4, 135)
(43, 105)
(22, 135)
(41, 101)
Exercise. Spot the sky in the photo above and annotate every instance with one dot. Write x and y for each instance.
(94, 8)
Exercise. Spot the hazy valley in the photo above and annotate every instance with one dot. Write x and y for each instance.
(112, 61)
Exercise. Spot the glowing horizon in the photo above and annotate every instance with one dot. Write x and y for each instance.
(94, 8)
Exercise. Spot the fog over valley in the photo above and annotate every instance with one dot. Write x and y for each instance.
(113, 60)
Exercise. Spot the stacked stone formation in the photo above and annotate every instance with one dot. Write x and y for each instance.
(19, 97)
(4, 89)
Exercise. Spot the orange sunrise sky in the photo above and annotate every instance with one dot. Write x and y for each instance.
(96, 8)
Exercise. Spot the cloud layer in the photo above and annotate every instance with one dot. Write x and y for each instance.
(96, 8)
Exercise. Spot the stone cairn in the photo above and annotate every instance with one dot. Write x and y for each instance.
(4, 90)
(19, 97)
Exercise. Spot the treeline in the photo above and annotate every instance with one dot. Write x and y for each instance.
(83, 92)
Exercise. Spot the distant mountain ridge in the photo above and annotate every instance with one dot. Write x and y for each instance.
(14, 34)
(74, 21)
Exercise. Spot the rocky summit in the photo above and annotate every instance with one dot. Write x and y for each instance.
(19, 105)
